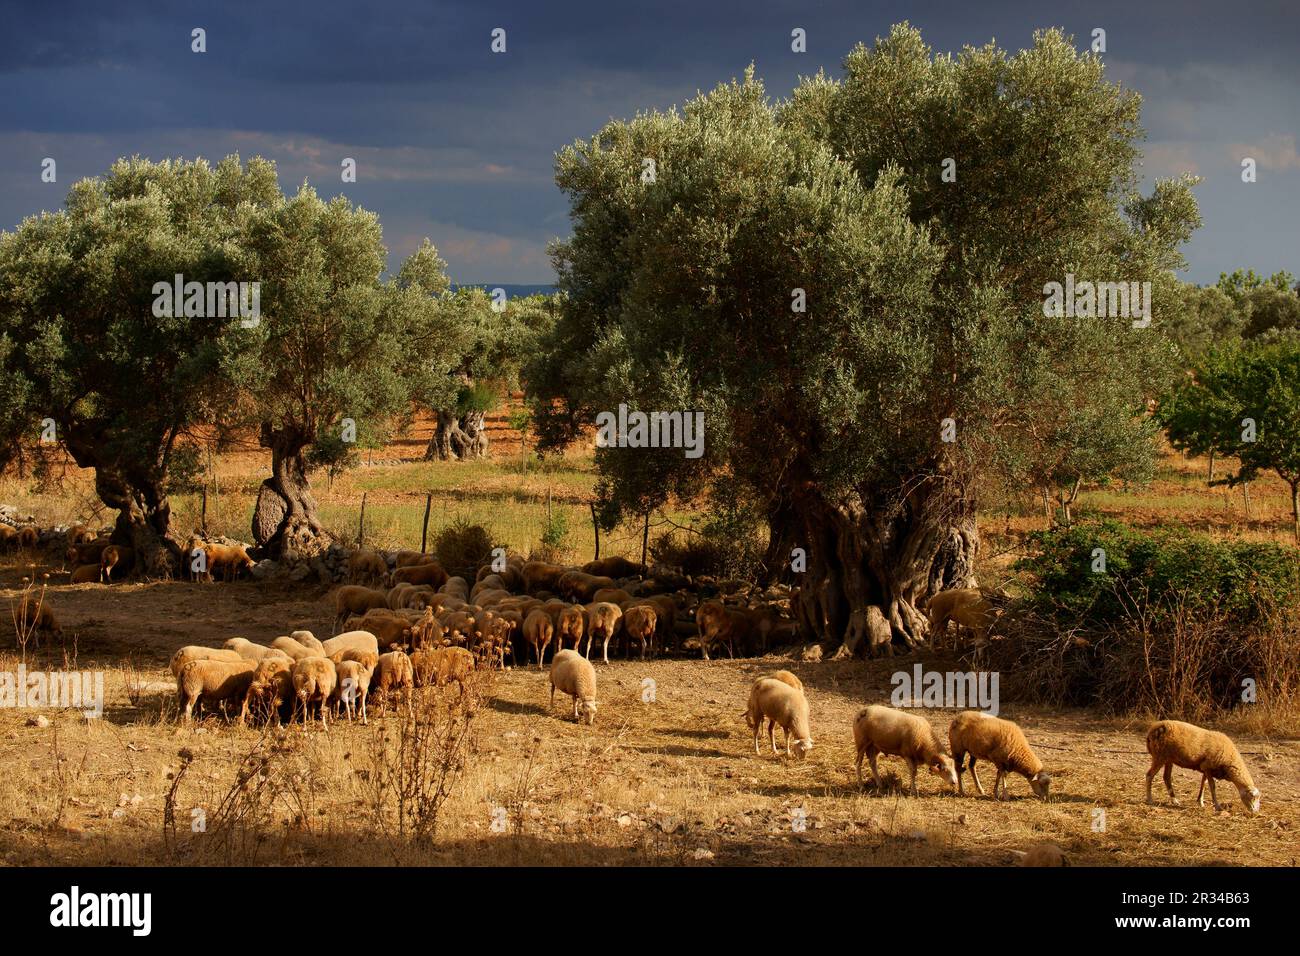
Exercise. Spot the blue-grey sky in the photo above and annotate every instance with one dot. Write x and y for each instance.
(457, 143)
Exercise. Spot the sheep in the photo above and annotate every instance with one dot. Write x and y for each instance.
(602, 622)
(355, 599)
(353, 684)
(538, 632)
(967, 607)
(114, 556)
(581, 587)
(314, 680)
(1042, 854)
(28, 538)
(9, 536)
(570, 622)
(612, 595)
(459, 587)
(1175, 743)
(426, 631)
(195, 652)
(408, 559)
(614, 568)
(387, 628)
(271, 687)
(367, 565)
(1002, 744)
(250, 651)
(292, 649)
(785, 677)
(439, 665)
(541, 576)
(227, 560)
(78, 534)
(360, 640)
(573, 674)
(490, 582)
(212, 682)
(85, 574)
(367, 659)
(731, 626)
(431, 574)
(395, 595)
(90, 553)
(308, 640)
(884, 730)
(460, 627)
(782, 704)
(639, 625)
(393, 674)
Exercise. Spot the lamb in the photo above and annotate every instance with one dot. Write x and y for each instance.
(573, 674)
(538, 632)
(250, 651)
(114, 556)
(195, 652)
(85, 574)
(968, 607)
(602, 622)
(211, 682)
(1175, 743)
(431, 574)
(884, 730)
(441, 665)
(361, 640)
(355, 599)
(314, 680)
(639, 625)
(394, 673)
(368, 566)
(353, 684)
(1002, 744)
(779, 703)
(270, 688)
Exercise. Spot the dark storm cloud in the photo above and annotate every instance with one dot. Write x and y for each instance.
(456, 143)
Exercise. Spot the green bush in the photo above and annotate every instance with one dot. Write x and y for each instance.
(462, 548)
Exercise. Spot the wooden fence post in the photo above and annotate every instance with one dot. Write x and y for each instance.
(424, 532)
(361, 531)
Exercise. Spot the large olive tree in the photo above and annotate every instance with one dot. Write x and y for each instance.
(916, 209)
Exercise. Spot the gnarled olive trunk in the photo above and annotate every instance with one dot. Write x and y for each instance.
(891, 554)
(458, 438)
(285, 516)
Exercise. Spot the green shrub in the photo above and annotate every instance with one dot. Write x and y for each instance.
(462, 548)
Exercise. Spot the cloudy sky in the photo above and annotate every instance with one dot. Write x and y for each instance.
(456, 143)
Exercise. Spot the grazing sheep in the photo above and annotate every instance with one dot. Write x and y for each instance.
(355, 599)
(459, 587)
(387, 628)
(580, 587)
(308, 640)
(409, 559)
(112, 557)
(250, 651)
(90, 553)
(212, 682)
(291, 648)
(395, 599)
(541, 576)
(360, 640)
(612, 595)
(440, 665)
(1175, 743)
(270, 689)
(602, 622)
(353, 684)
(195, 652)
(785, 677)
(460, 627)
(314, 680)
(1042, 854)
(85, 574)
(1002, 744)
(967, 607)
(28, 538)
(570, 623)
(884, 730)
(639, 625)
(614, 568)
(538, 632)
(8, 536)
(573, 674)
(731, 626)
(393, 674)
(367, 566)
(431, 574)
(78, 534)
(228, 560)
(779, 703)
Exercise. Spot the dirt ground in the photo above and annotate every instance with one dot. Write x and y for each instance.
(673, 780)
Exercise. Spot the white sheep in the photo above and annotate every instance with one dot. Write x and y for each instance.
(251, 651)
(353, 685)
(314, 680)
(779, 703)
(1002, 744)
(195, 652)
(212, 682)
(308, 640)
(291, 648)
(350, 641)
(573, 674)
(884, 730)
(1174, 743)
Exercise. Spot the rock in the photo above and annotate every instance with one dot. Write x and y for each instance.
(812, 653)
(40, 720)
(300, 572)
(267, 569)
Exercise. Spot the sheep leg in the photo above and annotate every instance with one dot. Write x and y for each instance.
(861, 783)
(875, 772)
(604, 650)
(363, 708)
(1169, 783)
(758, 730)
(1200, 794)
(974, 775)
(1214, 797)
(958, 760)
(324, 724)
(771, 735)
(1151, 776)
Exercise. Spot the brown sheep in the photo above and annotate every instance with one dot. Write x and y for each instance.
(431, 574)
(353, 684)
(967, 607)
(538, 632)
(115, 556)
(314, 680)
(541, 576)
(91, 553)
(28, 538)
(367, 566)
(85, 574)
(602, 623)
(196, 652)
(227, 560)
(354, 599)
(212, 682)
(580, 587)
(639, 625)
(440, 665)
(614, 568)
(270, 689)
(387, 628)
(35, 614)
(612, 595)
(8, 537)
(393, 674)
(409, 559)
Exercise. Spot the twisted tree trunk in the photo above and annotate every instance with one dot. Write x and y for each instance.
(285, 516)
(457, 438)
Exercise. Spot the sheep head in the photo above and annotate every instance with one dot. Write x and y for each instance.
(802, 746)
(1041, 782)
(944, 767)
